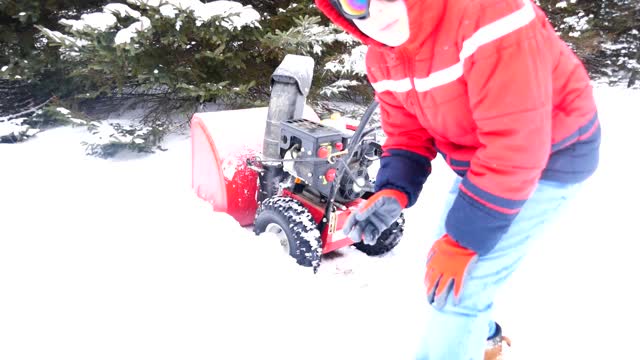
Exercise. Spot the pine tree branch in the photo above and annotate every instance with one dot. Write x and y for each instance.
(31, 110)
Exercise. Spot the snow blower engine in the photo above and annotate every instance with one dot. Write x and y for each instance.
(292, 176)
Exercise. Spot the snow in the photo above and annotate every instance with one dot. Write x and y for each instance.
(350, 63)
(117, 259)
(243, 15)
(15, 128)
(63, 111)
(117, 132)
(105, 20)
(169, 11)
(338, 87)
(125, 35)
(234, 16)
(238, 14)
(578, 22)
(94, 21)
(66, 40)
(230, 167)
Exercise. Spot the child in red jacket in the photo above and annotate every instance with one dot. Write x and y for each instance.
(490, 86)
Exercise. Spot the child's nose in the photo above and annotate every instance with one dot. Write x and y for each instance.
(376, 6)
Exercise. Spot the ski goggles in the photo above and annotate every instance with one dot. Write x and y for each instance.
(353, 9)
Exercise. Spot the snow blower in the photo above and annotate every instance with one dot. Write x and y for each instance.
(283, 171)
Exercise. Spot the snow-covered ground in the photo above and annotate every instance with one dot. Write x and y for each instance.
(117, 259)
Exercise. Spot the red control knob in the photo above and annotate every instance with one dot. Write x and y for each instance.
(323, 152)
(330, 175)
(339, 146)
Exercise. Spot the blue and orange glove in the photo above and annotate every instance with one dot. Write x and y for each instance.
(448, 264)
(375, 215)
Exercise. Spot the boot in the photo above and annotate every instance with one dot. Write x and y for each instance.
(494, 345)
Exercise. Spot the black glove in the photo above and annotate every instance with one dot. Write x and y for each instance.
(375, 215)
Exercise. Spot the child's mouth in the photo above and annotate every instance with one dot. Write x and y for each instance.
(389, 25)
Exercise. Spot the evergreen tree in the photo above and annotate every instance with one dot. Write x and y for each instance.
(32, 75)
(23, 51)
(173, 56)
(605, 34)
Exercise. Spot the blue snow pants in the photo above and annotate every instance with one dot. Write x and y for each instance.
(459, 332)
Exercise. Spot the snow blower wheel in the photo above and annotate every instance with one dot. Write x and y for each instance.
(294, 227)
(386, 241)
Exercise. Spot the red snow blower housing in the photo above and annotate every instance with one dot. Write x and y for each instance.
(283, 171)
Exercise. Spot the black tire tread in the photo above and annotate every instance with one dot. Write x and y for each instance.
(304, 238)
(386, 242)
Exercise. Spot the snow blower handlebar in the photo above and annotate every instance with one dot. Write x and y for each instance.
(352, 146)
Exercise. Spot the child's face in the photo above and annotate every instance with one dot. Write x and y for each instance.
(387, 23)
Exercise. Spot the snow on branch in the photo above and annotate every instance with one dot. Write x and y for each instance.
(338, 87)
(22, 113)
(109, 138)
(94, 21)
(65, 40)
(125, 35)
(13, 131)
(20, 127)
(235, 14)
(352, 63)
(579, 23)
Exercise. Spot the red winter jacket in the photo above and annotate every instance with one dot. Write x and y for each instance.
(490, 86)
